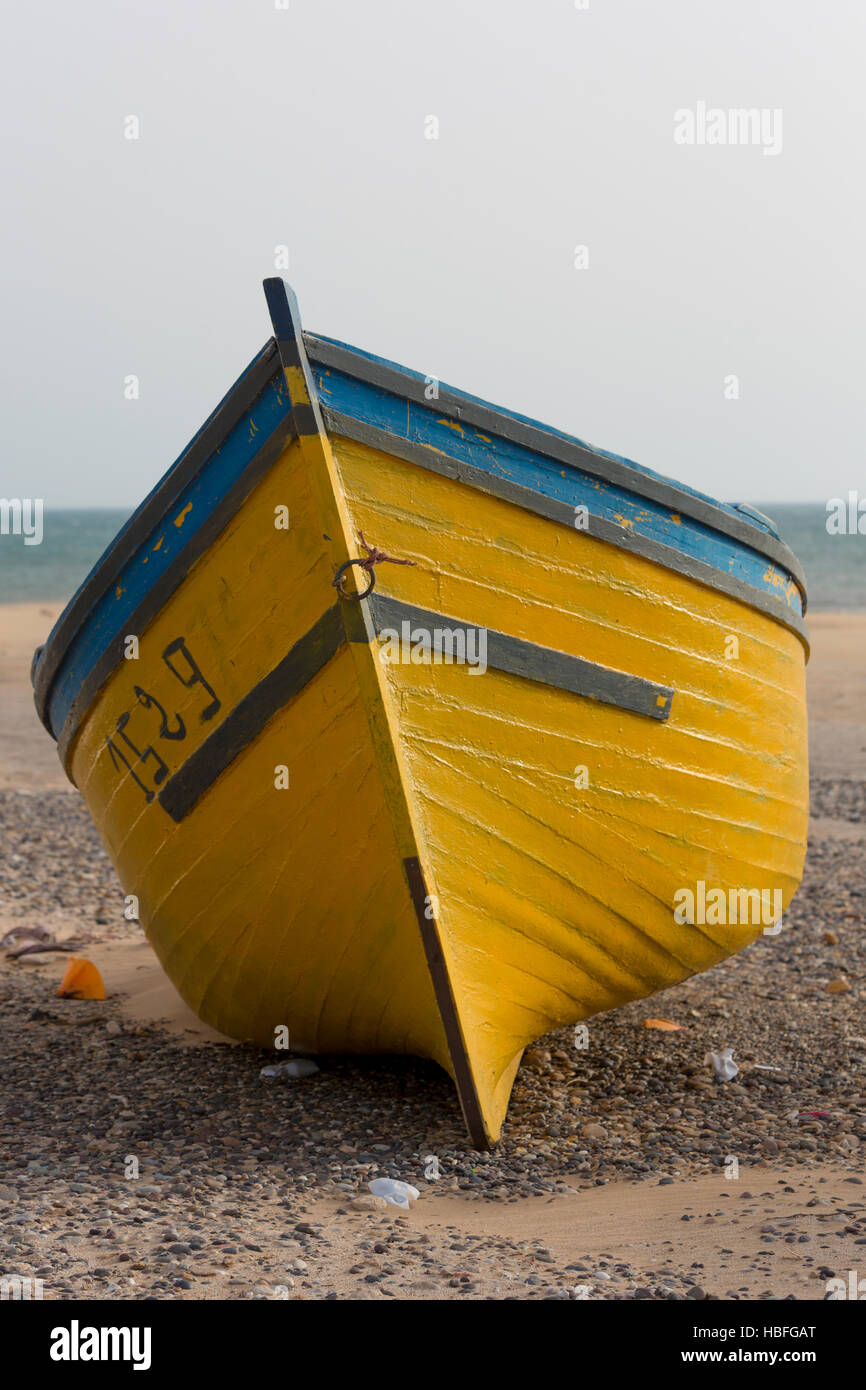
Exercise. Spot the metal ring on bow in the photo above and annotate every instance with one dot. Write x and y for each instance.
(362, 564)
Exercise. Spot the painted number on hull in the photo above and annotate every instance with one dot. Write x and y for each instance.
(124, 750)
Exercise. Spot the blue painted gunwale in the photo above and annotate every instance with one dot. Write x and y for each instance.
(755, 519)
(502, 458)
(424, 424)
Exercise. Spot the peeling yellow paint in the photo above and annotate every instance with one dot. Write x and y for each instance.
(676, 518)
(624, 520)
(781, 581)
(158, 545)
(453, 425)
(182, 516)
(298, 393)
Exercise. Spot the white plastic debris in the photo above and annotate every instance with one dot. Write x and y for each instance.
(399, 1194)
(723, 1064)
(292, 1070)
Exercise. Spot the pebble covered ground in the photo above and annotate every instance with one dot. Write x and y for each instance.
(233, 1172)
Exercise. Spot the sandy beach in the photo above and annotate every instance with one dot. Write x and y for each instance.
(615, 1177)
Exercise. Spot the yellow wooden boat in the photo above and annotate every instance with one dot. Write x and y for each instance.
(417, 726)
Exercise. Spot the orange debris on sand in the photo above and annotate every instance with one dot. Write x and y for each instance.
(81, 980)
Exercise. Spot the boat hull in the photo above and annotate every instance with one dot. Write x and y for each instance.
(339, 831)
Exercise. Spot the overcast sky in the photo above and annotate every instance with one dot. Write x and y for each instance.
(307, 127)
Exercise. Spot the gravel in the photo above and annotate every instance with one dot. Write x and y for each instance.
(228, 1166)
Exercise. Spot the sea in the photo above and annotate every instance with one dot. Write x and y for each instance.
(73, 541)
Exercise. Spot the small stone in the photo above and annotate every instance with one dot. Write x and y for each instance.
(368, 1203)
(536, 1058)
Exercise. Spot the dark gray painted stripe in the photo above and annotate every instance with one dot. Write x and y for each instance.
(165, 586)
(230, 410)
(492, 421)
(545, 665)
(249, 717)
(561, 512)
(289, 337)
(447, 1006)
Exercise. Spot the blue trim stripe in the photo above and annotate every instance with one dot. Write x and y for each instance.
(755, 519)
(504, 459)
(166, 543)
